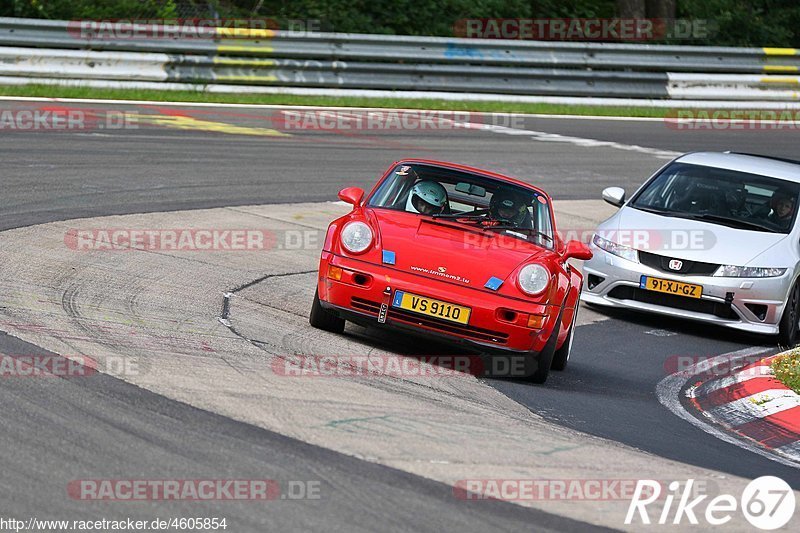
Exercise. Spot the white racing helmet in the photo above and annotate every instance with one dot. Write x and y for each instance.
(426, 197)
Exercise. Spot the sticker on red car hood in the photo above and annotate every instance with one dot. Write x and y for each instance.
(441, 272)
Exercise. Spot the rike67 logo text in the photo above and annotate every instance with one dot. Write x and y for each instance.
(767, 503)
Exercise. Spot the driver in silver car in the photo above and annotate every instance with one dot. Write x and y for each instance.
(782, 209)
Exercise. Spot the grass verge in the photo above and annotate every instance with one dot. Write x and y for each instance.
(54, 91)
(787, 369)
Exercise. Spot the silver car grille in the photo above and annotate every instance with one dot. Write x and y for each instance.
(662, 262)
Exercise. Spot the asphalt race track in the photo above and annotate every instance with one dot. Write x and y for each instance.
(58, 176)
(190, 158)
(56, 430)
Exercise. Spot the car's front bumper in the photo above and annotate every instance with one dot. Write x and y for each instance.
(748, 304)
(485, 332)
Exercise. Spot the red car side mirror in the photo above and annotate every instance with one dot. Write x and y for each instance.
(352, 195)
(577, 250)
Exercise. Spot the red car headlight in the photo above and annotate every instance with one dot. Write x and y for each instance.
(356, 237)
(533, 279)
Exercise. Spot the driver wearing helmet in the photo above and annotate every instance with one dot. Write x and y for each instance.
(427, 198)
(509, 206)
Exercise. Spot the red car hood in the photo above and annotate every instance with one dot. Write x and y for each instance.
(449, 251)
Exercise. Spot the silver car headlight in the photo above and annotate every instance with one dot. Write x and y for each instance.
(356, 237)
(732, 271)
(533, 279)
(620, 250)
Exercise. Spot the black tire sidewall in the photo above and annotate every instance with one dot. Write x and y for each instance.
(561, 356)
(788, 329)
(322, 319)
(545, 358)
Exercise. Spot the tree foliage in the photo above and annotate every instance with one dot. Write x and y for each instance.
(737, 22)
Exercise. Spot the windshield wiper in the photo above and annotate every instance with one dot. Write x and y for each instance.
(657, 211)
(733, 222)
(482, 221)
(466, 216)
(529, 231)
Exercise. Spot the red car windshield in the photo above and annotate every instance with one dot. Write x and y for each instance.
(429, 190)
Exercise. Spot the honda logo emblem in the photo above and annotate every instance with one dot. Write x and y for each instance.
(675, 264)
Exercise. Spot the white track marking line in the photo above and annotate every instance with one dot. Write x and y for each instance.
(669, 388)
(535, 135)
(755, 406)
(792, 449)
(577, 141)
(590, 117)
(760, 371)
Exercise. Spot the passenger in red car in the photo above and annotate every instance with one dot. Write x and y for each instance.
(509, 206)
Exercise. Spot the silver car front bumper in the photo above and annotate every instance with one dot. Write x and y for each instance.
(729, 294)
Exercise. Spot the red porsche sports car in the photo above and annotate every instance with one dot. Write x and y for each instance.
(462, 254)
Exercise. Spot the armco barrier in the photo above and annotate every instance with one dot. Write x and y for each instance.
(60, 50)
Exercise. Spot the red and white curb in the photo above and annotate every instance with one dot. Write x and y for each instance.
(755, 405)
(748, 407)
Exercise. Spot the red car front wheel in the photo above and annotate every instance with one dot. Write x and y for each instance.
(321, 318)
(561, 357)
(545, 359)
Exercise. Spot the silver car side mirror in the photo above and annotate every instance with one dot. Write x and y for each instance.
(614, 195)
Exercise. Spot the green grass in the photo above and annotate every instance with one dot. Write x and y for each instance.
(51, 91)
(787, 369)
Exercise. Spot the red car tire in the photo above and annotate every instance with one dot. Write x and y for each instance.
(323, 319)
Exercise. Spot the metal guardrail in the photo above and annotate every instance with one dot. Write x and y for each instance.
(59, 50)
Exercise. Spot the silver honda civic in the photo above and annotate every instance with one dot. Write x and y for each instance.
(711, 237)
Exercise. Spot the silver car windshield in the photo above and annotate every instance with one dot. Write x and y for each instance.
(720, 196)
